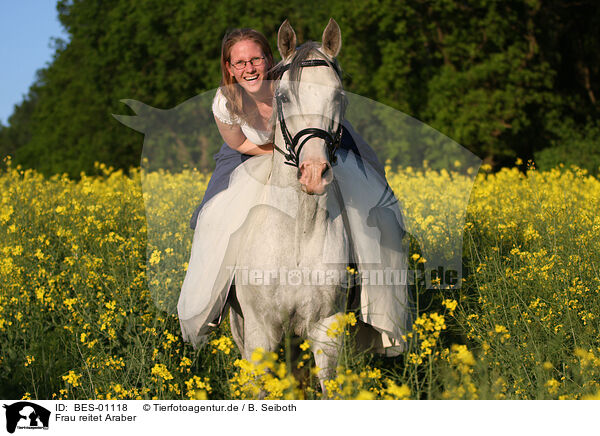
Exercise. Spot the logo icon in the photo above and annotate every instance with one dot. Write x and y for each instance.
(26, 415)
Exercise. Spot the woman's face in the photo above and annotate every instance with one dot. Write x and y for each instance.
(251, 78)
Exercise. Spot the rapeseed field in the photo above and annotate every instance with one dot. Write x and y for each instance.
(78, 319)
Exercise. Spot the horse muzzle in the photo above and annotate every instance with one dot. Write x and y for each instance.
(314, 176)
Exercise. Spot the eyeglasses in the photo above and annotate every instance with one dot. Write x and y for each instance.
(256, 62)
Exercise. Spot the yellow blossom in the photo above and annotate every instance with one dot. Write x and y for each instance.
(161, 371)
(224, 344)
(72, 378)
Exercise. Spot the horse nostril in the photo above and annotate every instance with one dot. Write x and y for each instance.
(327, 173)
(301, 169)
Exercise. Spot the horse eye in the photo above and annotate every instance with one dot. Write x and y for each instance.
(283, 98)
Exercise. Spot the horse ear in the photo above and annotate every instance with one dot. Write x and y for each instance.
(286, 40)
(332, 39)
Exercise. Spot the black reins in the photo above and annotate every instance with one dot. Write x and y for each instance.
(332, 140)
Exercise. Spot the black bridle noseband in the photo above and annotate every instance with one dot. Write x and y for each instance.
(332, 140)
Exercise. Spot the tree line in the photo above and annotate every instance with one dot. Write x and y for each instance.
(517, 78)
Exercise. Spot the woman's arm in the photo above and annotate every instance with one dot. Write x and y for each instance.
(234, 137)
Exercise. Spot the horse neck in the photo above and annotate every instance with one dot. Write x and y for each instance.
(282, 174)
(312, 209)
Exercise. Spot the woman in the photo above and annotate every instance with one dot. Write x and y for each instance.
(243, 109)
(243, 113)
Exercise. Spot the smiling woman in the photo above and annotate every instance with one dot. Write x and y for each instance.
(250, 74)
(246, 60)
(243, 109)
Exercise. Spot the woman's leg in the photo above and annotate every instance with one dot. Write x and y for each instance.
(227, 159)
(352, 141)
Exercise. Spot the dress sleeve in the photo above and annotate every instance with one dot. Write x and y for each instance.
(219, 108)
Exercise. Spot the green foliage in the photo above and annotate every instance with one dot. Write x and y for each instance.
(488, 74)
(574, 145)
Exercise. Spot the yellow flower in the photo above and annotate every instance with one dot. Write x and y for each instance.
(365, 395)
(161, 371)
(462, 355)
(200, 395)
(223, 344)
(595, 396)
(553, 386)
(197, 388)
(500, 329)
(72, 378)
(373, 373)
(69, 302)
(154, 257)
(257, 354)
(450, 305)
(395, 392)
(338, 327)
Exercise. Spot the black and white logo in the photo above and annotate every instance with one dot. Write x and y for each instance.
(26, 415)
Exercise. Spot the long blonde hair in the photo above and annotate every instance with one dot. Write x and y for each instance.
(229, 86)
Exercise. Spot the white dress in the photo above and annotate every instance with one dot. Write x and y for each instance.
(219, 107)
(375, 223)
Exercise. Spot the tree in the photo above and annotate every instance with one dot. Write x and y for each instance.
(501, 78)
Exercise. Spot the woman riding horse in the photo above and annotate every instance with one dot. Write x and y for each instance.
(244, 114)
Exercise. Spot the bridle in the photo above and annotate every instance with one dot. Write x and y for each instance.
(332, 140)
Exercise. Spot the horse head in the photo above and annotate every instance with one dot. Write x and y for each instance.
(310, 104)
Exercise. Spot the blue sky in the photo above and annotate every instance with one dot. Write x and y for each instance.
(26, 27)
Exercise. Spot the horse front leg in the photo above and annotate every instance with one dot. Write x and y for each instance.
(260, 335)
(326, 345)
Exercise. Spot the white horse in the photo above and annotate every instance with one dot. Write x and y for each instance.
(295, 251)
